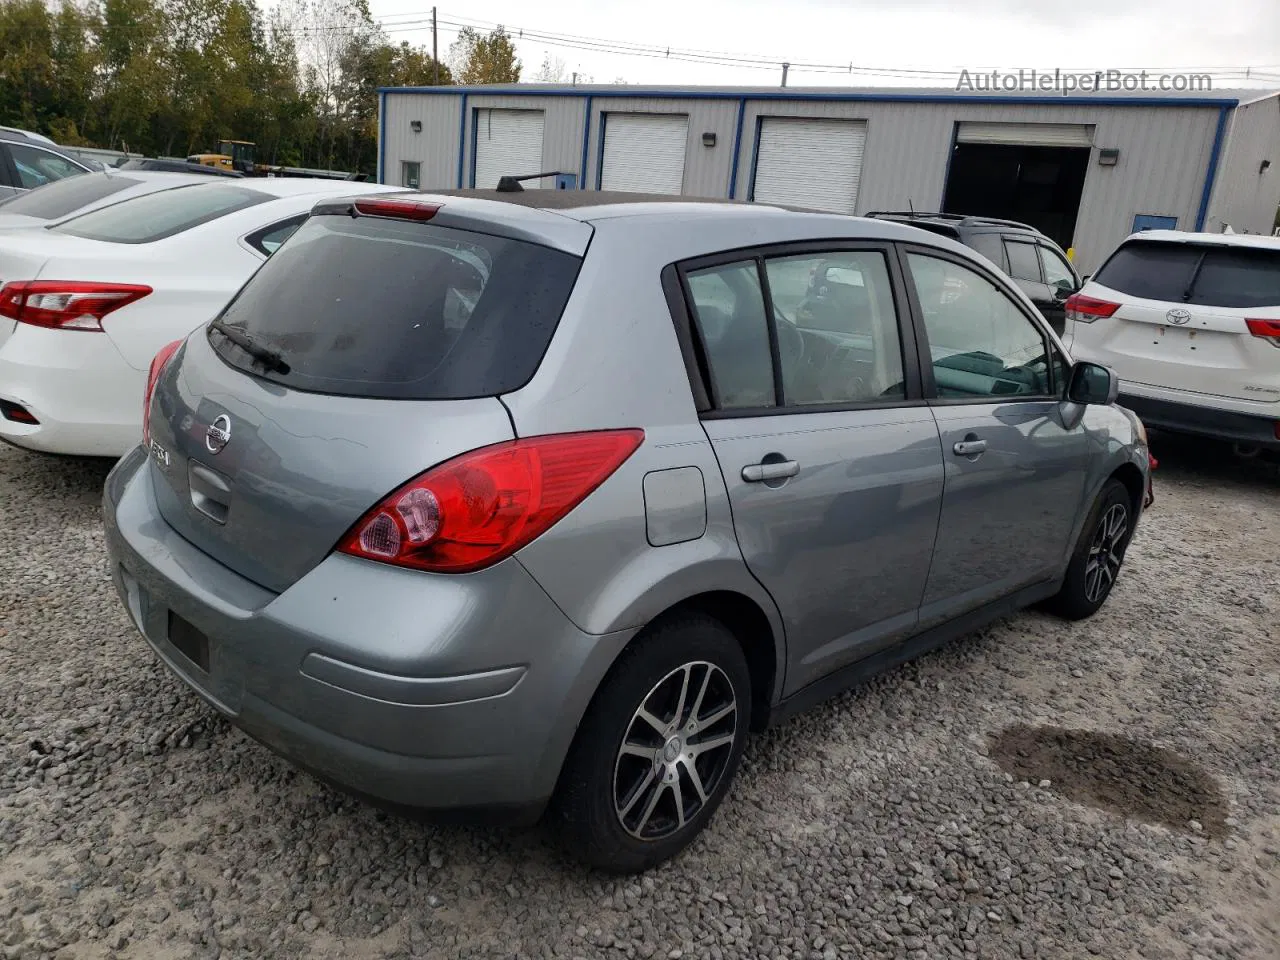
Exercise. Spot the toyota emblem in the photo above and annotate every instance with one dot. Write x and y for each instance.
(1178, 316)
(219, 434)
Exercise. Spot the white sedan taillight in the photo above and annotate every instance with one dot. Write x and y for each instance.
(66, 304)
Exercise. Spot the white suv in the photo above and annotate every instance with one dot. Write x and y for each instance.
(1191, 324)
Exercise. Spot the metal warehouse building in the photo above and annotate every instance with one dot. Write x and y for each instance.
(1087, 170)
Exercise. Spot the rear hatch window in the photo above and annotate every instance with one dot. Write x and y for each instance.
(159, 215)
(373, 307)
(1209, 275)
(65, 196)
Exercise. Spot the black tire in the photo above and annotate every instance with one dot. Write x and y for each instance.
(1086, 588)
(597, 777)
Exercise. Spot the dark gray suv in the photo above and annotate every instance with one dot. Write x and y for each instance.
(1034, 262)
(543, 500)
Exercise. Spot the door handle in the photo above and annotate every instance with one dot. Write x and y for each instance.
(765, 472)
(970, 446)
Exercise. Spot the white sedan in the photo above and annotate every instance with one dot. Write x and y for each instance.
(86, 303)
(72, 196)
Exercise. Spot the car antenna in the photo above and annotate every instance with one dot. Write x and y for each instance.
(912, 207)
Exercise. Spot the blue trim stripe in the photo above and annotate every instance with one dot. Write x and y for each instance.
(1212, 172)
(737, 148)
(462, 136)
(382, 137)
(852, 96)
(586, 142)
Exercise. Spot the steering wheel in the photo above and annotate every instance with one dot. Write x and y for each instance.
(790, 340)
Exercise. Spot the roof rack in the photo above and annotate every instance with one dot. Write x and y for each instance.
(953, 217)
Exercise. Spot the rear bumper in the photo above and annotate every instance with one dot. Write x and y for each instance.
(87, 399)
(449, 693)
(1180, 416)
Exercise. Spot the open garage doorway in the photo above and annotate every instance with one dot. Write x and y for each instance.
(1031, 172)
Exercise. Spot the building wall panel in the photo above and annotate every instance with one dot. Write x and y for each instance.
(1245, 195)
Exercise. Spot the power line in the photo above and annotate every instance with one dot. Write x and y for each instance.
(453, 23)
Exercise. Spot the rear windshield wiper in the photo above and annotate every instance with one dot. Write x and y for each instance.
(269, 358)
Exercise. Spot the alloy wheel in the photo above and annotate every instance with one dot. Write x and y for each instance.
(1103, 564)
(675, 751)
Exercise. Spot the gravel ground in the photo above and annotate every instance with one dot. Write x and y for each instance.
(1141, 816)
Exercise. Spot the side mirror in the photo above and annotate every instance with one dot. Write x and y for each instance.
(1092, 383)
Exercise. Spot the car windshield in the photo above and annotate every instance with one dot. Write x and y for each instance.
(375, 307)
(159, 215)
(1214, 275)
(66, 196)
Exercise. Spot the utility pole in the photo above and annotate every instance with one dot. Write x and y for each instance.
(435, 56)
(575, 78)
(785, 68)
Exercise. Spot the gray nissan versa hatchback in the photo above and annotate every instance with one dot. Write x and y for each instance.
(526, 501)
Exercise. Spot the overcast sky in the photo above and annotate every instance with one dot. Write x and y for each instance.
(929, 35)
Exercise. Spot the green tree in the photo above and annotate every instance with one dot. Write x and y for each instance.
(480, 58)
(26, 62)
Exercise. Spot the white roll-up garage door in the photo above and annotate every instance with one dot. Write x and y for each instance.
(810, 163)
(1027, 134)
(644, 153)
(508, 144)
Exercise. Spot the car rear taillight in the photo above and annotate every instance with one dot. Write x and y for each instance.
(1268, 330)
(476, 509)
(1088, 309)
(66, 304)
(158, 363)
(397, 209)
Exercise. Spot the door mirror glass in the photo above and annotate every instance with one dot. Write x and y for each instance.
(1092, 383)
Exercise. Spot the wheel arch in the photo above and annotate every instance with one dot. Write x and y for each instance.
(760, 643)
(1134, 482)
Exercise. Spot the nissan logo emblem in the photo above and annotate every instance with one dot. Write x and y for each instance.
(219, 434)
(1178, 316)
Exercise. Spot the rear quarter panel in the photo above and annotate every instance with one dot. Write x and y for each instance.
(615, 362)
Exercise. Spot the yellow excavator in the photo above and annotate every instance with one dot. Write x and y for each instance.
(234, 155)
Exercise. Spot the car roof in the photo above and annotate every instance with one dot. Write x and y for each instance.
(711, 219)
(1259, 241)
(17, 133)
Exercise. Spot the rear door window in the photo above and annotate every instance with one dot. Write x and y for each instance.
(66, 196)
(1024, 264)
(373, 307)
(160, 215)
